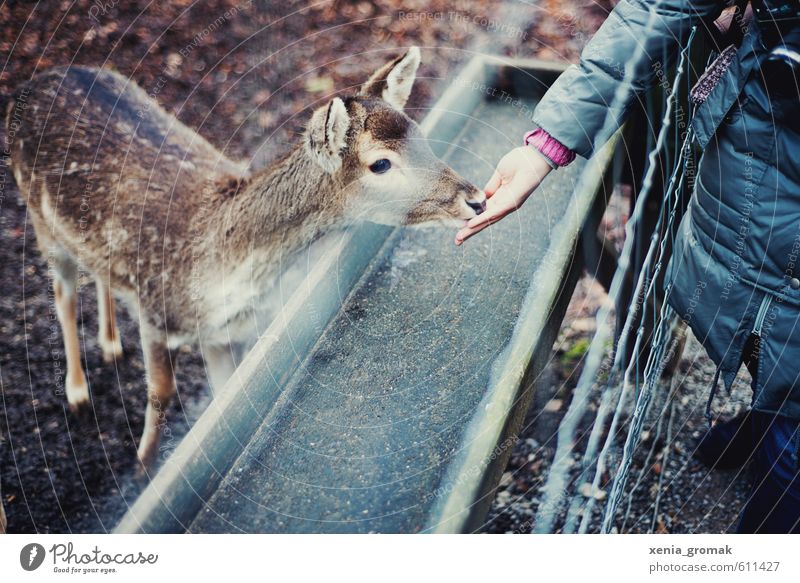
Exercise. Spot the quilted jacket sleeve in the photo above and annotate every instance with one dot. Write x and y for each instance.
(588, 102)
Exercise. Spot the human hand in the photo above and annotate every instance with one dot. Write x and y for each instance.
(518, 174)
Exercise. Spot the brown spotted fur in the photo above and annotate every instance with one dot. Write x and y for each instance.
(115, 184)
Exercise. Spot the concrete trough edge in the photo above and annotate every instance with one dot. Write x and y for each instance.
(194, 470)
(465, 494)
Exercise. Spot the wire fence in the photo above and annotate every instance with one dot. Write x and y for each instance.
(576, 498)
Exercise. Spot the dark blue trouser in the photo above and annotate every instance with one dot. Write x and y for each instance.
(774, 502)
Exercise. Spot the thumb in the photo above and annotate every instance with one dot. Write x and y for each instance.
(494, 183)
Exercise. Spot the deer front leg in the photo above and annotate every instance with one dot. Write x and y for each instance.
(107, 332)
(220, 362)
(66, 299)
(158, 362)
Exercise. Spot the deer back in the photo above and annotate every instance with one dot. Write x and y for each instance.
(115, 179)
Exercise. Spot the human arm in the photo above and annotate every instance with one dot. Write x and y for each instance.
(591, 100)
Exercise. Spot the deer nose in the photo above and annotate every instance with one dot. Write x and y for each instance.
(478, 207)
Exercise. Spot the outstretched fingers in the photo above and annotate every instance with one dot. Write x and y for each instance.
(506, 200)
(492, 214)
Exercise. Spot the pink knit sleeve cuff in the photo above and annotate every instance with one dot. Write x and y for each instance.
(550, 147)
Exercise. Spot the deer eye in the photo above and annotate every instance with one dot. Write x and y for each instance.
(381, 166)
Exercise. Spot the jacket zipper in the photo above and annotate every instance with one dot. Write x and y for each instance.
(758, 324)
(762, 314)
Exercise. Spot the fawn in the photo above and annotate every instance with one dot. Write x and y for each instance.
(192, 241)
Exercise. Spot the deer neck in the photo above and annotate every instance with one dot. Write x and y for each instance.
(282, 209)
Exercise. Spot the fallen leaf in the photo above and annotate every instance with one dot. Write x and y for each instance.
(319, 85)
(553, 405)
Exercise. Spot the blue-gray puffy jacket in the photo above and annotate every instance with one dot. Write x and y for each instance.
(735, 269)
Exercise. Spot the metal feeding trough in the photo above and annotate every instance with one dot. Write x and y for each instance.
(386, 396)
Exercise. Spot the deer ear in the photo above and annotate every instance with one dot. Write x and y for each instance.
(326, 135)
(394, 80)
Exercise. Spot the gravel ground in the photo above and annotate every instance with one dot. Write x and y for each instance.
(668, 490)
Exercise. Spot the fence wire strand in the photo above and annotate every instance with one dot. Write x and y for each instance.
(557, 485)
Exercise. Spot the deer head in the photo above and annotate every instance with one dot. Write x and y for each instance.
(385, 166)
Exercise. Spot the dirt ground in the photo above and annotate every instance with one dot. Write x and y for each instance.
(244, 74)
